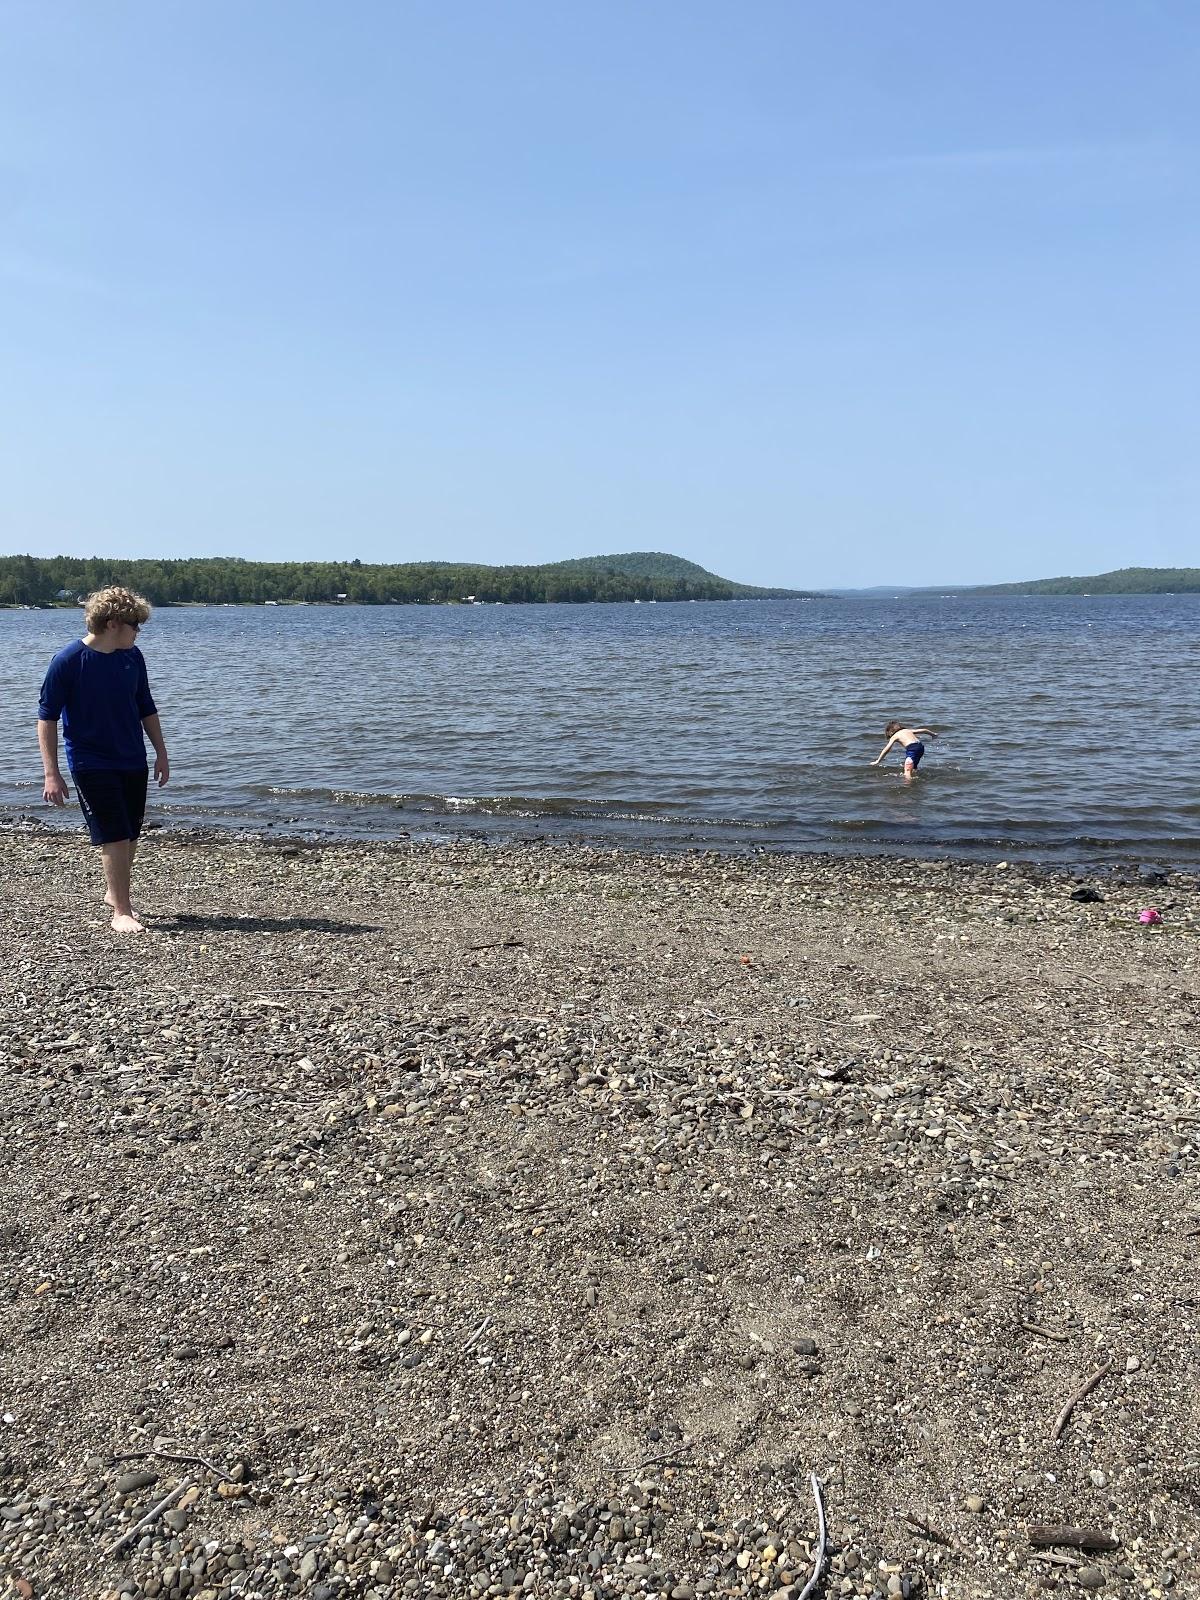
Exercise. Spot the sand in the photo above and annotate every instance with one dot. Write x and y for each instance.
(536, 1220)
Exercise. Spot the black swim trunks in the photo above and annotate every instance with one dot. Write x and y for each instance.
(913, 753)
(113, 803)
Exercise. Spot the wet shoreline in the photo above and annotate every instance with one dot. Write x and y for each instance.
(635, 836)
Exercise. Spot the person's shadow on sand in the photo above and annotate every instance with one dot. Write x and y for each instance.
(187, 920)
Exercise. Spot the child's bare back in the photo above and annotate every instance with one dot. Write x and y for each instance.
(909, 740)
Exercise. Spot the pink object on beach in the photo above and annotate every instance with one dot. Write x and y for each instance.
(1149, 916)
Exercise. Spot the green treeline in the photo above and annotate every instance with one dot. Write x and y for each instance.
(1128, 580)
(51, 580)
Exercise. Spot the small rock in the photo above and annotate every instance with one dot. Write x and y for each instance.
(133, 1481)
(974, 1502)
(1090, 1578)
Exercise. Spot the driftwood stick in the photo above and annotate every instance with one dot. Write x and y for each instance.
(1045, 1333)
(1081, 1393)
(165, 1504)
(500, 944)
(819, 1564)
(163, 1455)
(1054, 1558)
(669, 1459)
(1042, 1535)
(479, 1332)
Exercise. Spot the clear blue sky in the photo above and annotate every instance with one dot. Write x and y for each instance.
(813, 293)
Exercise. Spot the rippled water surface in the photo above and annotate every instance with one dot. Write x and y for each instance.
(1069, 723)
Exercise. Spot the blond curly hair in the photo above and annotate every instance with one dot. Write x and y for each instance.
(115, 605)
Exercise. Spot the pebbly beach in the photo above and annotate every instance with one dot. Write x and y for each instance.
(449, 1220)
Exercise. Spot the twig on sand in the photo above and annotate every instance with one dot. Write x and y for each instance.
(919, 1525)
(155, 1511)
(288, 988)
(819, 1564)
(163, 1455)
(669, 1459)
(1080, 1394)
(500, 944)
(1043, 1534)
(1053, 1556)
(1046, 1333)
(479, 1332)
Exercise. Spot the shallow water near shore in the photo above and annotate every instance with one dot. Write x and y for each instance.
(1067, 722)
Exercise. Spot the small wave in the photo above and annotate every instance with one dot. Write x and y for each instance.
(581, 807)
(1140, 830)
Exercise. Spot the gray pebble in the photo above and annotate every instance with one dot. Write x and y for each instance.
(133, 1481)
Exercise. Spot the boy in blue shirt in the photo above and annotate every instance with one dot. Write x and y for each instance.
(99, 687)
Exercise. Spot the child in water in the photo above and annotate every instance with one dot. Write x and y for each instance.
(910, 738)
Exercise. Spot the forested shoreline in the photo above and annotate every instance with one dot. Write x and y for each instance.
(1126, 580)
(219, 580)
(61, 580)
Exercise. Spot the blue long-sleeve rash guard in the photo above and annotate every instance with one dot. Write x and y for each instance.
(101, 698)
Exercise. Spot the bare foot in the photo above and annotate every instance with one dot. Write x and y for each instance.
(126, 922)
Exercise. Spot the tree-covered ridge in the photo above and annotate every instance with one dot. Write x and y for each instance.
(1127, 580)
(217, 580)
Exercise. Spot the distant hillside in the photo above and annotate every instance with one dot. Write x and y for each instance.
(879, 591)
(1127, 580)
(652, 566)
(224, 580)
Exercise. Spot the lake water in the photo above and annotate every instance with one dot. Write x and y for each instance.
(1070, 723)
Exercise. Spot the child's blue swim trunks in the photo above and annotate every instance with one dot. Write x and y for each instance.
(913, 753)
